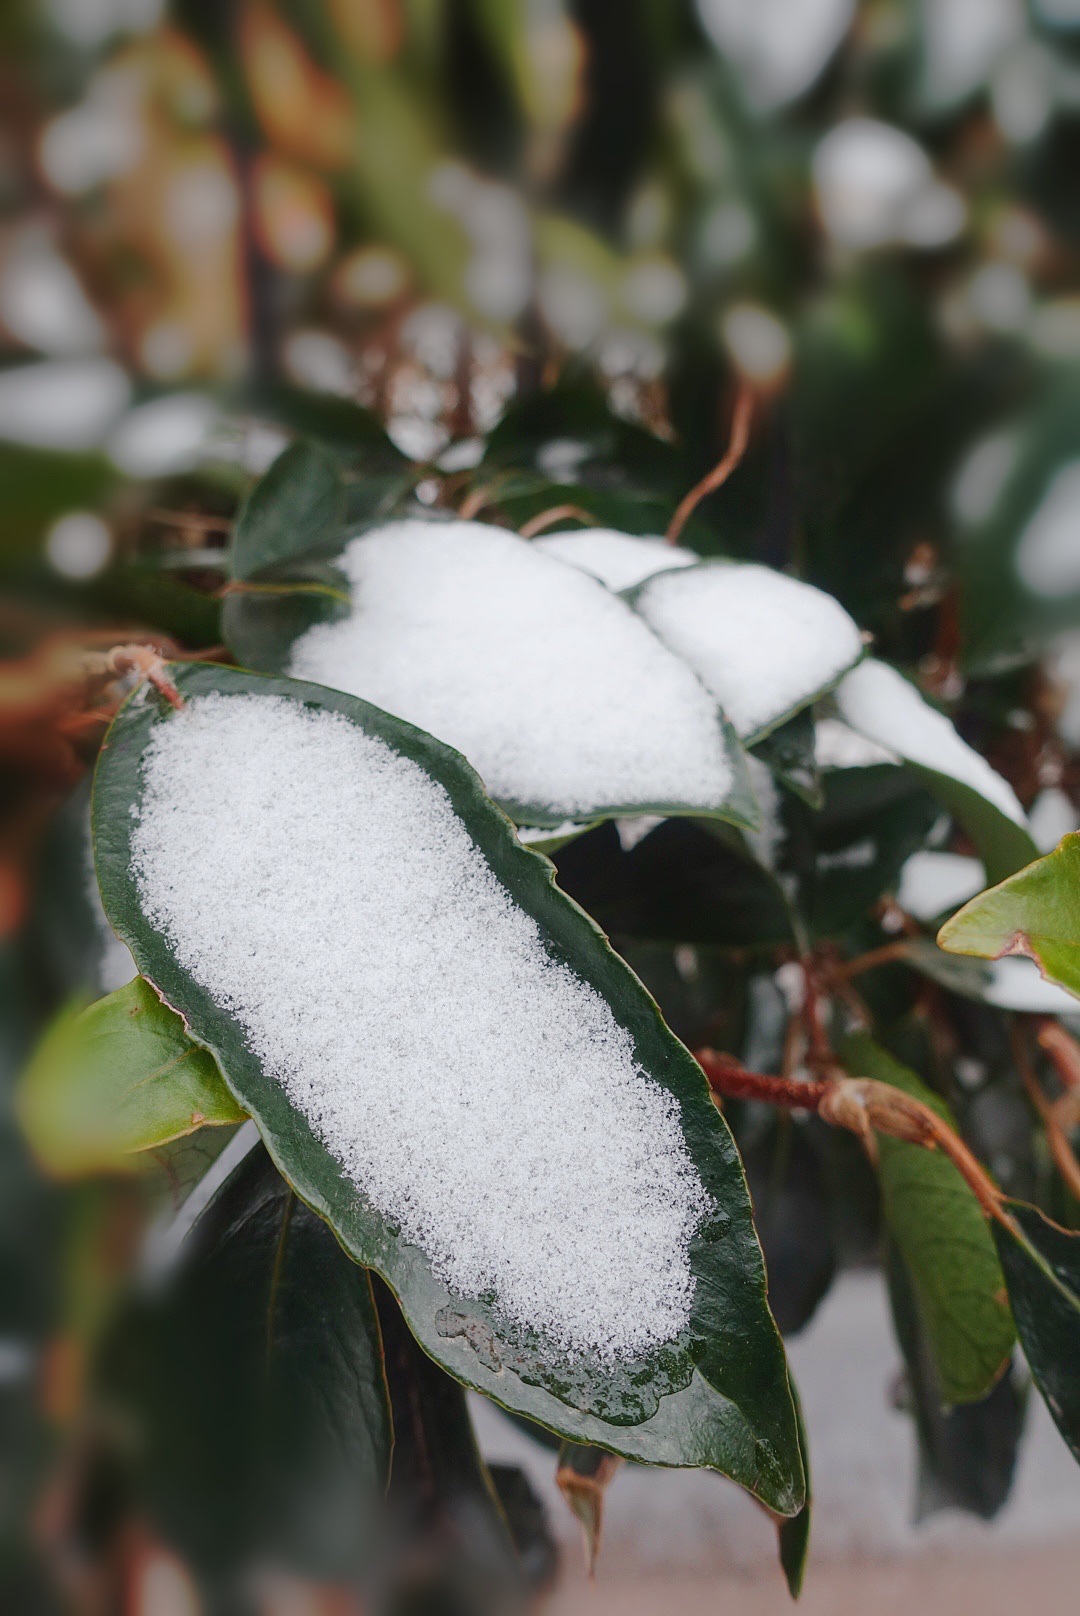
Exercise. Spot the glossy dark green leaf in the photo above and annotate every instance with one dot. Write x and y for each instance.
(793, 1534)
(1003, 846)
(1042, 1270)
(297, 507)
(1036, 912)
(967, 1453)
(719, 1396)
(119, 1077)
(943, 1237)
(252, 1378)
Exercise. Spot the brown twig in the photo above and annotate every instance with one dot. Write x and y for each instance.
(887, 954)
(865, 1107)
(729, 1079)
(557, 513)
(1058, 1117)
(740, 437)
(1063, 1050)
(477, 501)
(148, 664)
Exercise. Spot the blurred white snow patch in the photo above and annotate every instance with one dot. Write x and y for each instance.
(78, 545)
(757, 341)
(981, 479)
(653, 290)
(1050, 817)
(99, 139)
(165, 436)
(838, 746)
(1017, 984)
(66, 404)
(1022, 93)
(91, 22)
(963, 40)
(777, 47)
(999, 296)
(573, 304)
(1055, 329)
(933, 883)
(1048, 555)
(42, 301)
(317, 360)
(875, 186)
(1063, 666)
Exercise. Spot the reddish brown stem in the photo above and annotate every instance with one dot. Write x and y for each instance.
(1063, 1051)
(740, 437)
(887, 954)
(729, 1079)
(148, 664)
(557, 513)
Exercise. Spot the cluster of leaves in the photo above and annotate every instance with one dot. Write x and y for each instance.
(909, 435)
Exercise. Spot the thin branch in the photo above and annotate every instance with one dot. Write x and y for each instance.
(740, 437)
(1063, 1050)
(729, 1079)
(149, 665)
(887, 954)
(1058, 1117)
(557, 513)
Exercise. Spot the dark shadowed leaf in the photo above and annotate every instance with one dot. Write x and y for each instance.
(1042, 1270)
(297, 507)
(793, 1219)
(253, 1378)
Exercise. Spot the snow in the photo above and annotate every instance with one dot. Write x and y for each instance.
(67, 404)
(764, 644)
(549, 684)
(619, 560)
(1017, 984)
(1048, 555)
(777, 48)
(324, 892)
(883, 706)
(166, 436)
(933, 882)
(838, 746)
(875, 186)
(1051, 817)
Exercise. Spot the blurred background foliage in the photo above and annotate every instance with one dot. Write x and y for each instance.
(522, 253)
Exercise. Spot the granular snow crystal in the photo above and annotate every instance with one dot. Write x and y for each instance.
(558, 695)
(322, 889)
(765, 644)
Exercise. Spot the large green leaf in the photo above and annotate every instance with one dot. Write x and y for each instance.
(1042, 1270)
(719, 1395)
(297, 507)
(942, 1236)
(253, 1380)
(119, 1077)
(1035, 912)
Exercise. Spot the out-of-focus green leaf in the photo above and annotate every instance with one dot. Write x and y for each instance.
(253, 1384)
(1035, 912)
(117, 1078)
(294, 509)
(941, 1233)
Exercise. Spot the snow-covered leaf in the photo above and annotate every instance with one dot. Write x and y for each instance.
(449, 1064)
(764, 643)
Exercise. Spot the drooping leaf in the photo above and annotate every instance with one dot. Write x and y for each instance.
(877, 701)
(1042, 1270)
(793, 1220)
(1035, 912)
(252, 1377)
(764, 643)
(583, 1475)
(296, 508)
(119, 1077)
(943, 1238)
(967, 1453)
(716, 1396)
(793, 1534)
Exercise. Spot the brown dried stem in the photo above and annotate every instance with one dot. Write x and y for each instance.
(740, 437)
(147, 664)
(557, 513)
